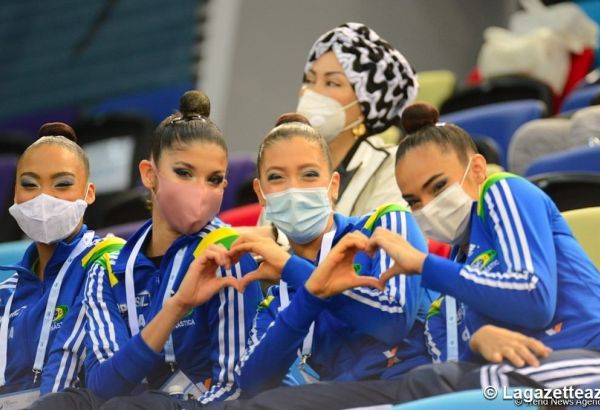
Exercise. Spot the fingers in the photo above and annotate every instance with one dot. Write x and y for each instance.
(537, 347)
(229, 281)
(247, 279)
(367, 281)
(394, 270)
(512, 356)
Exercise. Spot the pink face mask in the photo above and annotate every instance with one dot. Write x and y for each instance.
(187, 208)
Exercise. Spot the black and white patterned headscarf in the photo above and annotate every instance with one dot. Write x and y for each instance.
(383, 81)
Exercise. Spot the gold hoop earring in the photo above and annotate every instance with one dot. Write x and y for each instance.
(359, 130)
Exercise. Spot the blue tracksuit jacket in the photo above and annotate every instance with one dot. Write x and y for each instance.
(358, 334)
(207, 342)
(524, 271)
(27, 311)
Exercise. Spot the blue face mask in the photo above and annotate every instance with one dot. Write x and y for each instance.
(300, 213)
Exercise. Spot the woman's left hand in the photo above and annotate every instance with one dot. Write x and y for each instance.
(336, 273)
(407, 260)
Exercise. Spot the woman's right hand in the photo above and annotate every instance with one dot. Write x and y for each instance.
(273, 256)
(201, 282)
(496, 344)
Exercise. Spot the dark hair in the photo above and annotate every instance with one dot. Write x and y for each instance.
(420, 122)
(291, 125)
(189, 124)
(61, 134)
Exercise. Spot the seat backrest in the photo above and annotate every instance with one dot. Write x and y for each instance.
(498, 121)
(10, 230)
(436, 86)
(240, 170)
(585, 224)
(570, 190)
(584, 159)
(580, 98)
(537, 138)
(500, 89)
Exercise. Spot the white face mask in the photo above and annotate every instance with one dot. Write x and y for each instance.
(47, 219)
(446, 218)
(325, 114)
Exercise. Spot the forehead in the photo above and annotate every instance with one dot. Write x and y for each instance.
(327, 62)
(292, 152)
(48, 159)
(422, 162)
(199, 153)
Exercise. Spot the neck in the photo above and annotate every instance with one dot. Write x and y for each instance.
(340, 147)
(45, 252)
(311, 249)
(162, 236)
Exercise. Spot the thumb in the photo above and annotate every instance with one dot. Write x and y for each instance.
(249, 278)
(229, 281)
(388, 274)
(369, 281)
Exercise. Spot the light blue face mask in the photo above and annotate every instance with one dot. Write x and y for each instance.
(300, 213)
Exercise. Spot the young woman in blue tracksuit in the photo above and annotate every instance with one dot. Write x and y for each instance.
(332, 329)
(158, 316)
(521, 289)
(44, 290)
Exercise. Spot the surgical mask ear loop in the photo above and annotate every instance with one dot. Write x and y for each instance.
(466, 172)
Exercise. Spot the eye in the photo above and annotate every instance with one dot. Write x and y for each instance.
(308, 80)
(439, 186)
(332, 83)
(273, 177)
(411, 202)
(64, 183)
(216, 179)
(183, 173)
(28, 183)
(312, 174)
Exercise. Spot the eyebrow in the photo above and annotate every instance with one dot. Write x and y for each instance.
(310, 70)
(53, 176)
(430, 180)
(185, 164)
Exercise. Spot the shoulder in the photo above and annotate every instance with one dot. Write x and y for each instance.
(505, 189)
(384, 214)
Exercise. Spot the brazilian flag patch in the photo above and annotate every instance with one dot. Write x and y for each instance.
(59, 313)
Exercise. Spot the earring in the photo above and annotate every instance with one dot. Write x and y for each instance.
(359, 130)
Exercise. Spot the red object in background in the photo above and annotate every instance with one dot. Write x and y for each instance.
(581, 64)
(439, 248)
(246, 215)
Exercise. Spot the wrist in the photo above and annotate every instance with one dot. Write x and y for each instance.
(419, 262)
(177, 308)
(315, 290)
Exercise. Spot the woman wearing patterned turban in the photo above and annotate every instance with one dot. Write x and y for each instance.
(356, 86)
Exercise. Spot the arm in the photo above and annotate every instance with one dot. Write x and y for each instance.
(230, 317)
(115, 364)
(275, 340)
(525, 282)
(387, 315)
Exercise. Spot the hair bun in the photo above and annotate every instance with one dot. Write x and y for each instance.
(56, 129)
(419, 115)
(291, 117)
(194, 102)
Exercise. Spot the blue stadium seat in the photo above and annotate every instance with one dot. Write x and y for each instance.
(498, 121)
(585, 159)
(12, 252)
(580, 98)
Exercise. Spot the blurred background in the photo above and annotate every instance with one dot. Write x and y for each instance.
(114, 68)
